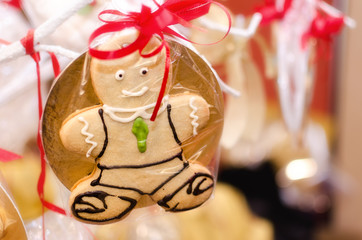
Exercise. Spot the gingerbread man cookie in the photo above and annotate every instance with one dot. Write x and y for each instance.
(135, 156)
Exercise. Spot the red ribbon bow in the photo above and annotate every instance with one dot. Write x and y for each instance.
(270, 12)
(323, 27)
(148, 24)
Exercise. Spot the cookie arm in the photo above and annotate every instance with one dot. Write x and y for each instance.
(83, 133)
(189, 114)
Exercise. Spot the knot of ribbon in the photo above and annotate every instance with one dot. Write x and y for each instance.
(323, 27)
(152, 23)
(28, 44)
(270, 11)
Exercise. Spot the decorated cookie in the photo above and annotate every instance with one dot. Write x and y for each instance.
(135, 156)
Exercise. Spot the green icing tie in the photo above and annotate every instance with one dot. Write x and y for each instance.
(140, 130)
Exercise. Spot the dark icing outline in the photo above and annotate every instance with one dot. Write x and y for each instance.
(171, 125)
(105, 143)
(101, 195)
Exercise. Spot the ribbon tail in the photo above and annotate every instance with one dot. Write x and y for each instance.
(41, 180)
(55, 63)
(6, 156)
(164, 82)
(188, 9)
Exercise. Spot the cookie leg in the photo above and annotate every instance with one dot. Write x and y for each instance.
(99, 204)
(188, 190)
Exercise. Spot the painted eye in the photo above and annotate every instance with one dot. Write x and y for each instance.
(119, 74)
(144, 71)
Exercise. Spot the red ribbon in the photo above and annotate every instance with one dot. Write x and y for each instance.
(323, 27)
(14, 3)
(2, 41)
(149, 24)
(6, 156)
(270, 12)
(28, 43)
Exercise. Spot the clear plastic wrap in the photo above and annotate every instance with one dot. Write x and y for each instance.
(58, 227)
(244, 115)
(100, 141)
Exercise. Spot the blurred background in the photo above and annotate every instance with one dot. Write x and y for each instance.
(287, 171)
(335, 106)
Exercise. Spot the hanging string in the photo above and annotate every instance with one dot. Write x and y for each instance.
(28, 43)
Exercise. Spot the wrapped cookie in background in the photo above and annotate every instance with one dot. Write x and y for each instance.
(11, 223)
(244, 115)
(135, 121)
(304, 169)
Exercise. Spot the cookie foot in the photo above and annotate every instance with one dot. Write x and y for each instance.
(101, 207)
(193, 193)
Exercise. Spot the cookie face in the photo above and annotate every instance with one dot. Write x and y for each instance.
(134, 156)
(131, 81)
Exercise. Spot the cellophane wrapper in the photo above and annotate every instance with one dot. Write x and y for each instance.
(198, 125)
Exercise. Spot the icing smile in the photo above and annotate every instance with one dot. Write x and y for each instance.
(135, 94)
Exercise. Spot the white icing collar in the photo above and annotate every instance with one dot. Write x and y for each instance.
(138, 112)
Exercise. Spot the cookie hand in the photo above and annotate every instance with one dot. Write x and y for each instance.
(190, 114)
(82, 133)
